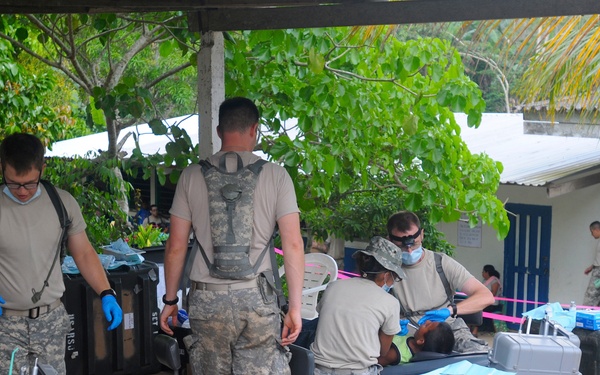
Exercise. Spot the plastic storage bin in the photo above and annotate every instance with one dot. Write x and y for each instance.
(91, 349)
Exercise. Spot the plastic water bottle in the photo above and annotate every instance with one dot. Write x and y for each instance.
(182, 316)
(573, 306)
(183, 319)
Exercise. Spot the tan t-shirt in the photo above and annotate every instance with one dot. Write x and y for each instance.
(274, 197)
(423, 289)
(597, 259)
(351, 313)
(29, 237)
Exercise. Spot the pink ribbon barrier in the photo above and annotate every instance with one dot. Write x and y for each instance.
(510, 319)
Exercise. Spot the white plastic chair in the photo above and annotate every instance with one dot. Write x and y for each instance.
(317, 267)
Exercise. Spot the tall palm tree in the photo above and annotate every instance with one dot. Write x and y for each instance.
(562, 58)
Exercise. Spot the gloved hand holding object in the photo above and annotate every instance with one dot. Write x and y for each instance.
(403, 327)
(435, 316)
(112, 311)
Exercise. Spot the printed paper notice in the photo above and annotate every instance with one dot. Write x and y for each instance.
(467, 236)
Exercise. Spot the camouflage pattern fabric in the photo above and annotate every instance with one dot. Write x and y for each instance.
(231, 207)
(465, 342)
(42, 338)
(373, 370)
(592, 294)
(235, 332)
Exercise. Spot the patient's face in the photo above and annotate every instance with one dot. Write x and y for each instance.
(425, 328)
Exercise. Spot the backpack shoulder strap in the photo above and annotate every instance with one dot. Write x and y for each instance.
(205, 164)
(442, 274)
(61, 211)
(62, 245)
(257, 166)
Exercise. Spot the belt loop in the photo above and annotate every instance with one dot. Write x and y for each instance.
(34, 313)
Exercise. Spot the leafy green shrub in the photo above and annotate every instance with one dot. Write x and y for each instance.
(146, 236)
(93, 184)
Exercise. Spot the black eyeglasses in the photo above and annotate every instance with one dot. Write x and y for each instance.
(27, 186)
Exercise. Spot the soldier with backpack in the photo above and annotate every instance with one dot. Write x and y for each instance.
(432, 280)
(232, 202)
(36, 221)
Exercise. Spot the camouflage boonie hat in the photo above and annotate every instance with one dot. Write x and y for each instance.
(386, 253)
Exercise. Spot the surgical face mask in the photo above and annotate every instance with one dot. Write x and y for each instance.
(413, 257)
(8, 193)
(386, 288)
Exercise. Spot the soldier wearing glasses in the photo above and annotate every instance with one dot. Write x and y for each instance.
(32, 317)
(422, 295)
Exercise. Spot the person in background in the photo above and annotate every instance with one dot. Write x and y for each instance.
(434, 337)
(491, 280)
(592, 293)
(236, 323)
(155, 219)
(33, 320)
(142, 214)
(358, 318)
(423, 296)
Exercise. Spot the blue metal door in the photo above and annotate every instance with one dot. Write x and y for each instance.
(527, 257)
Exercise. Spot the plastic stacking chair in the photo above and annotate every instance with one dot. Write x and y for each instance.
(317, 268)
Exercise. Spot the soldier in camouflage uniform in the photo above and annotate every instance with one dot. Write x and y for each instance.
(33, 321)
(592, 293)
(423, 295)
(235, 323)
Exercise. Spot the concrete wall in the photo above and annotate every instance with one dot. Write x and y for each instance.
(572, 246)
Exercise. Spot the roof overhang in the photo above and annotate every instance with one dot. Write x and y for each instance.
(573, 182)
(226, 15)
(558, 163)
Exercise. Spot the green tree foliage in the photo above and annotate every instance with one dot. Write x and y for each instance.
(131, 67)
(92, 183)
(22, 104)
(374, 120)
(371, 116)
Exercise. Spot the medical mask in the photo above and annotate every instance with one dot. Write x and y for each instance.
(12, 197)
(413, 257)
(386, 288)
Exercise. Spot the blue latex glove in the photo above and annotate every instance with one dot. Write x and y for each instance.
(2, 302)
(112, 311)
(403, 327)
(435, 316)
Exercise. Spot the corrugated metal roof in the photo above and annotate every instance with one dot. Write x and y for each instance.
(528, 159)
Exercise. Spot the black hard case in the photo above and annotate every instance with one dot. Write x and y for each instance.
(128, 349)
(590, 351)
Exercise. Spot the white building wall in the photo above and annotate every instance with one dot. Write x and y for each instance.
(572, 246)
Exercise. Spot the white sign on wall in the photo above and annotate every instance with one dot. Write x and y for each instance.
(467, 236)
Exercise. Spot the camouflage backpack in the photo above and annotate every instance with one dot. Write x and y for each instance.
(231, 211)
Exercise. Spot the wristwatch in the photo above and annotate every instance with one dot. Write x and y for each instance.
(171, 302)
(454, 310)
(107, 292)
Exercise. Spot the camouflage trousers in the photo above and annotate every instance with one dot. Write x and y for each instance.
(592, 294)
(373, 370)
(43, 338)
(465, 342)
(235, 332)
